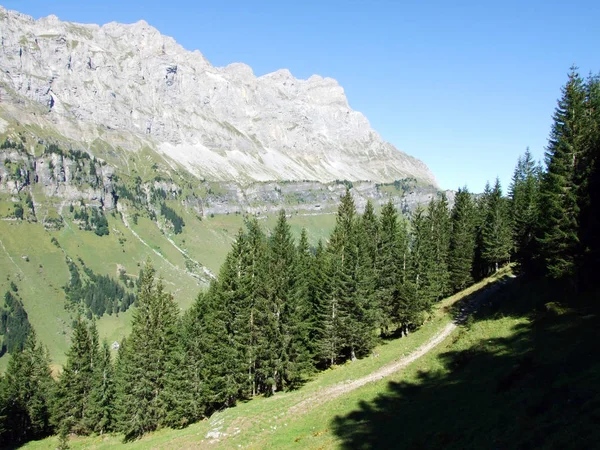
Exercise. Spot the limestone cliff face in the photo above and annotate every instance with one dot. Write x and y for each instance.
(133, 87)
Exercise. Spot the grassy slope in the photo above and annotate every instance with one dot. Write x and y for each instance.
(265, 423)
(41, 279)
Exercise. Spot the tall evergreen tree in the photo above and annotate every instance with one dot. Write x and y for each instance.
(559, 241)
(462, 240)
(100, 411)
(524, 195)
(420, 292)
(144, 364)
(255, 324)
(438, 218)
(75, 384)
(496, 230)
(306, 313)
(343, 256)
(27, 388)
(390, 266)
(589, 184)
(291, 312)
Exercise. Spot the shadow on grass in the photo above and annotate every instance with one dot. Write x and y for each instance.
(537, 388)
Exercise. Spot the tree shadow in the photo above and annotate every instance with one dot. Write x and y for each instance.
(537, 388)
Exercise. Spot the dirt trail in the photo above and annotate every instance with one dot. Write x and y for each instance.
(463, 309)
(339, 389)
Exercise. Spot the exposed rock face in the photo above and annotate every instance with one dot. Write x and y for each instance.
(58, 176)
(133, 87)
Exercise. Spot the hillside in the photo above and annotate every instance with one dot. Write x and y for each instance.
(512, 372)
(118, 145)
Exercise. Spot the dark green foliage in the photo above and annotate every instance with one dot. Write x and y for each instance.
(11, 144)
(439, 222)
(18, 211)
(309, 293)
(71, 407)
(100, 402)
(101, 294)
(290, 346)
(462, 240)
(146, 361)
(420, 290)
(391, 266)
(524, 209)
(589, 198)
(95, 221)
(559, 240)
(14, 323)
(342, 253)
(496, 238)
(26, 395)
(351, 308)
(99, 223)
(172, 217)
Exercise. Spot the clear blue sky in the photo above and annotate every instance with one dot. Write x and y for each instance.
(465, 85)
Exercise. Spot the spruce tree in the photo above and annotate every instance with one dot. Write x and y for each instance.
(255, 324)
(342, 261)
(496, 231)
(100, 412)
(27, 388)
(141, 383)
(589, 185)
(419, 291)
(306, 313)
(559, 240)
(462, 240)
(438, 218)
(524, 208)
(287, 313)
(75, 383)
(390, 265)
(480, 266)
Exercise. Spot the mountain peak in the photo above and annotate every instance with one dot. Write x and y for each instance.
(131, 86)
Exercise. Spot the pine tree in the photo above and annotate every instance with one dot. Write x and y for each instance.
(342, 256)
(27, 388)
(100, 413)
(144, 363)
(289, 356)
(438, 218)
(480, 266)
(559, 241)
(319, 286)
(255, 324)
(390, 267)
(524, 208)
(307, 312)
(589, 184)
(179, 399)
(462, 240)
(75, 384)
(369, 227)
(419, 291)
(496, 231)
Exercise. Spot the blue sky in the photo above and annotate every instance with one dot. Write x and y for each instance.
(465, 86)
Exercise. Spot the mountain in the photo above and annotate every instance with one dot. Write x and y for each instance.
(118, 146)
(129, 86)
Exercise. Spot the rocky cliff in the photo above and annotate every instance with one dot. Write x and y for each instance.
(131, 87)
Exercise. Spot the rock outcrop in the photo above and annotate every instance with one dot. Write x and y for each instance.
(130, 86)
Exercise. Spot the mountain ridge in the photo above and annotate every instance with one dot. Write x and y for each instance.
(130, 86)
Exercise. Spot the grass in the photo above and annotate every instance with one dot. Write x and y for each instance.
(42, 278)
(265, 423)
